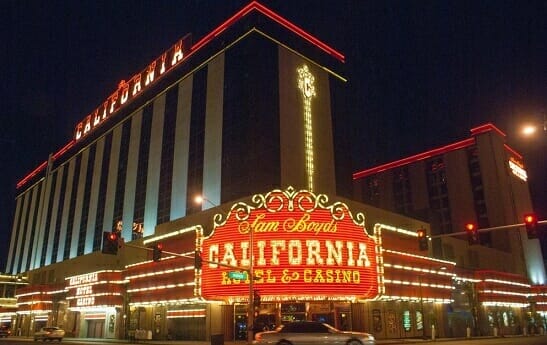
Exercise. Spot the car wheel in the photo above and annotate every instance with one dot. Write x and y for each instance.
(284, 342)
(354, 342)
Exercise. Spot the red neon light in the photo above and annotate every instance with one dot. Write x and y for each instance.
(486, 128)
(513, 152)
(290, 259)
(44, 164)
(277, 18)
(412, 159)
(247, 9)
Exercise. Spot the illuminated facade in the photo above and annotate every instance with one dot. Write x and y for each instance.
(479, 180)
(250, 116)
(226, 117)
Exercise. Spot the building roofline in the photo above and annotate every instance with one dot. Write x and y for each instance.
(253, 6)
(486, 128)
(415, 158)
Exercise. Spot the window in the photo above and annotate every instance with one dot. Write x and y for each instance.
(438, 195)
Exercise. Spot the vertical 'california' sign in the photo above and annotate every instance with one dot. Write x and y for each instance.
(303, 248)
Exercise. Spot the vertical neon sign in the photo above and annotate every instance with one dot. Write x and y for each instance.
(306, 85)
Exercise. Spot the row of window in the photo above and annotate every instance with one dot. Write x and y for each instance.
(437, 192)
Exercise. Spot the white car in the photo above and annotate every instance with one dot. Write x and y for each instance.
(312, 333)
(49, 333)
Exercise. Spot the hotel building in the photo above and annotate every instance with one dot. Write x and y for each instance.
(252, 116)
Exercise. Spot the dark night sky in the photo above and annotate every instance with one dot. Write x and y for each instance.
(421, 73)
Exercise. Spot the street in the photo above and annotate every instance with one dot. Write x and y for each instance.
(516, 340)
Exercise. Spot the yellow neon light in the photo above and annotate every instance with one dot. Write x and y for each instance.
(418, 269)
(420, 256)
(306, 85)
(507, 282)
(171, 234)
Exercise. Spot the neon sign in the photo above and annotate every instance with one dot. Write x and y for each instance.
(127, 90)
(517, 169)
(83, 279)
(302, 246)
(306, 82)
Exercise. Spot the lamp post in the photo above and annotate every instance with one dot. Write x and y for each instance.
(250, 271)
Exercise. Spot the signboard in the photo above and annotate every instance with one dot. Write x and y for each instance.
(517, 169)
(302, 247)
(237, 275)
(102, 288)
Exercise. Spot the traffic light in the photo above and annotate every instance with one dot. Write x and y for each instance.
(110, 243)
(156, 251)
(198, 262)
(531, 223)
(256, 298)
(472, 234)
(422, 240)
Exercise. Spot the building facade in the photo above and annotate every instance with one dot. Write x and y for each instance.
(478, 180)
(225, 117)
(252, 117)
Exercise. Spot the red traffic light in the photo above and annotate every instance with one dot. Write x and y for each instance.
(531, 223)
(156, 251)
(472, 234)
(422, 240)
(530, 218)
(111, 243)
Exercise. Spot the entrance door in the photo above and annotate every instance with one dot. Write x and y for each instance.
(95, 328)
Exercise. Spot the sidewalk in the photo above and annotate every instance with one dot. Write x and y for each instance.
(191, 342)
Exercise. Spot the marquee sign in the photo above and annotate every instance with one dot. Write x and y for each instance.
(302, 247)
(97, 289)
(127, 90)
(517, 168)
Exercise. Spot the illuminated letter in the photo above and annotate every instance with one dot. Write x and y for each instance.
(113, 100)
(319, 277)
(276, 246)
(87, 126)
(314, 248)
(295, 260)
(177, 54)
(229, 257)
(363, 260)
(307, 276)
(261, 245)
(136, 84)
(213, 255)
(96, 118)
(351, 261)
(162, 67)
(105, 108)
(125, 91)
(334, 257)
(245, 262)
(79, 131)
(150, 73)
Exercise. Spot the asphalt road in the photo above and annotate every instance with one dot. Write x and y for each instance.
(517, 340)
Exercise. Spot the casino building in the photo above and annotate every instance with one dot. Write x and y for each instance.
(481, 180)
(252, 117)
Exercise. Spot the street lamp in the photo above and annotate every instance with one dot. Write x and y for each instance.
(531, 128)
(250, 271)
